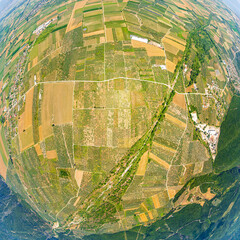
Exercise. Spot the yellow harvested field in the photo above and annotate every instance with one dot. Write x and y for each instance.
(171, 193)
(25, 120)
(151, 50)
(20, 38)
(130, 209)
(208, 195)
(81, 70)
(76, 202)
(179, 100)
(156, 201)
(3, 147)
(175, 120)
(173, 43)
(143, 217)
(180, 5)
(78, 177)
(150, 215)
(71, 24)
(144, 207)
(26, 139)
(187, 4)
(170, 66)
(38, 149)
(142, 165)
(159, 161)
(170, 48)
(181, 14)
(180, 41)
(93, 33)
(109, 35)
(56, 97)
(51, 154)
(102, 40)
(164, 147)
(189, 89)
(6, 48)
(29, 66)
(3, 168)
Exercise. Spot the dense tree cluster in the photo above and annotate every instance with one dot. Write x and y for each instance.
(203, 44)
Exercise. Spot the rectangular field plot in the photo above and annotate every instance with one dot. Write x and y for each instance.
(142, 165)
(3, 155)
(155, 177)
(169, 133)
(73, 24)
(56, 97)
(175, 121)
(25, 128)
(162, 153)
(151, 49)
(174, 175)
(178, 114)
(160, 75)
(4, 146)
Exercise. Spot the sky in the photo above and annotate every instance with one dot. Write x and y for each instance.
(3, 5)
(234, 5)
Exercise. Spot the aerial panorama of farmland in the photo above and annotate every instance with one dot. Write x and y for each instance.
(120, 119)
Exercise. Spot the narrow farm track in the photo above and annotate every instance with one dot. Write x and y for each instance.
(107, 80)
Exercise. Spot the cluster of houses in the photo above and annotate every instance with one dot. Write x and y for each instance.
(39, 29)
(209, 134)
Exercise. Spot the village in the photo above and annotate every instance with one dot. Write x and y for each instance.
(209, 134)
(43, 26)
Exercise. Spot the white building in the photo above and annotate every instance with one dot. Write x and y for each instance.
(144, 40)
(194, 117)
(163, 67)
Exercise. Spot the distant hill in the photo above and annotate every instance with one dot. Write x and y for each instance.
(234, 5)
(6, 6)
(18, 221)
(229, 141)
